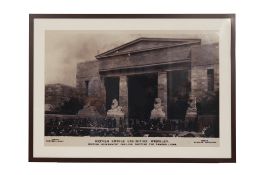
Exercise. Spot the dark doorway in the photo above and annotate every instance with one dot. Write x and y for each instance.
(178, 91)
(112, 90)
(142, 90)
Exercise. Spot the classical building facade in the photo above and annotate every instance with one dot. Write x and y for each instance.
(139, 71)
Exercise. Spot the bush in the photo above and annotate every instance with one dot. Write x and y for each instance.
(71, 106)
(209, 104)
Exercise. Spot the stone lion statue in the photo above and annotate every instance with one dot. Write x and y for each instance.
(115, 110)
(157, 112)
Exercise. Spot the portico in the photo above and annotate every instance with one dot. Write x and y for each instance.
(143, 70)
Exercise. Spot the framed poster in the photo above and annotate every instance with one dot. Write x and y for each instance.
(132, 88)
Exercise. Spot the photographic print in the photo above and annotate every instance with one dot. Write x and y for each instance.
(105, 87)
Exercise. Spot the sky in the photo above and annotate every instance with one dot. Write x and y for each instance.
(64, 49)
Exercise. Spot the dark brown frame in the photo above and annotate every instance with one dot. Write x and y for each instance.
(134, 160)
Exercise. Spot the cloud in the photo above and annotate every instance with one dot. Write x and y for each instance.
(64, 49)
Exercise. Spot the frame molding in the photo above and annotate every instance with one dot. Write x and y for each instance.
(31, 158)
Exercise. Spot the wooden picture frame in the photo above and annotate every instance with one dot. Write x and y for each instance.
(194, 32)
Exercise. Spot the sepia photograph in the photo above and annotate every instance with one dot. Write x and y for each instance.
(132, 83)
(155, 85)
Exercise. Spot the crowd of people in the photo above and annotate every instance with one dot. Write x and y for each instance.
(112, 127)
(83, 122)
(80, 127)
(160, 125)
(78, 131)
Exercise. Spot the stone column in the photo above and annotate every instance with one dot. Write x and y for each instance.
(103, 93)
(123, 94)
(162, 89)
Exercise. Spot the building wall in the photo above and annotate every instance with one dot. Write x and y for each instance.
(203, 58)
(95, 94)
(86, 71)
